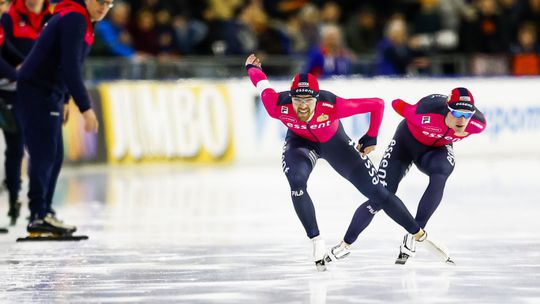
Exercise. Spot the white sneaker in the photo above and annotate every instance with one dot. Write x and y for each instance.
(338, 252)
(319, 252)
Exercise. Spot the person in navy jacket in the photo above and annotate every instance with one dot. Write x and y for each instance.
(51, 71)
(22, 25)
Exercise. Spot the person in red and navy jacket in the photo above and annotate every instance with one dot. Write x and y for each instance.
(22, 25)
(424, 138)
(51, 71)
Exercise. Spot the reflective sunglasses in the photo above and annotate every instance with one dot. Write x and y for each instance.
(459, 114)
(109, 3)
(306, 100)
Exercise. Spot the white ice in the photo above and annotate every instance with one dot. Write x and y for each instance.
(177, 234)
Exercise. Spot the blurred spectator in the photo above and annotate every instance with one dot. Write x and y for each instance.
(362, 31)
(526, 59)
(283, 9)
(293, 30)
(271, 40)
(509, 9)
(488, 40)
(189, 33)
(238, 36)
(330, 13)
(331, 57)
(113, 32)
(166, 33)
(144, 33)
(486, 33)
(310, 19)
(394, 56)
(531, 12)
(224, 9)
(451, 12)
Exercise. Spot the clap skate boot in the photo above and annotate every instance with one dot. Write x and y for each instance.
(319, 253)
(49, 228)
(338, 252)
(407, 249)
(14, 212)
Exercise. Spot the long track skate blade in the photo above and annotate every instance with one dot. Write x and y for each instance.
(3, 230)
(439, 251)
(44, 238)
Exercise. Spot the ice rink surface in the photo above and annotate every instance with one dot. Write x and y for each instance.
(176, 234)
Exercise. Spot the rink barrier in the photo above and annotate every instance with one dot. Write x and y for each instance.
(211, 122)
(169, 121)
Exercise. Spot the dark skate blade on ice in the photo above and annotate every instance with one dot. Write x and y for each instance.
(3, 230)
(402, 259)
(321, 266)
(53, 238)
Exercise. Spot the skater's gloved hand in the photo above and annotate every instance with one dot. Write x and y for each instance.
(366, 144)
(253, 61)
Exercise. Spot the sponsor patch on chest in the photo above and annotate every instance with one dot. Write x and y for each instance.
(426, 119)
(284, 110)
(322, 117)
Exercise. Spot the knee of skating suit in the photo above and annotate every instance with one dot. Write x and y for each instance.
(297, 167)
(438, 165)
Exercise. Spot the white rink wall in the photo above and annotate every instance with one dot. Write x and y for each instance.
(209, 121)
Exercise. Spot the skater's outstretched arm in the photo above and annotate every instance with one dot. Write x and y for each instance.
(269, 96)
(374, 106)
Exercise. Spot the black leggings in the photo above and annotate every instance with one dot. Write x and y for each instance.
(299, 158)
(404, 150)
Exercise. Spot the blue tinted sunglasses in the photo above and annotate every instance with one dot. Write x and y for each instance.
(459, 114)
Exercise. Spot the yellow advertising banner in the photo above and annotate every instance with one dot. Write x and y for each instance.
(162, 122)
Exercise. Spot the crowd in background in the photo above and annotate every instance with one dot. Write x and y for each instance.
(399, 35)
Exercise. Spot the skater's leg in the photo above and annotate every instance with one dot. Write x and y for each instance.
(393, 167)
(358, 169)
(297, 164)
(14, 155)
(57, 166)
(40, 111)
(438, 164)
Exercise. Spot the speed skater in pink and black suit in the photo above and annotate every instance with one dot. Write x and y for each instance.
(425, 137)
(315, 131)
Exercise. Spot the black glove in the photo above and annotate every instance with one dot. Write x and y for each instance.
(367, 141)
(249, 66)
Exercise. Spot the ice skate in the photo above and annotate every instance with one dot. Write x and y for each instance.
(319, 253)
(3, 230)
(338, 252)
(60, 223)
(438, 249)
(50, 229)
(14, 212)
(407, 249)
